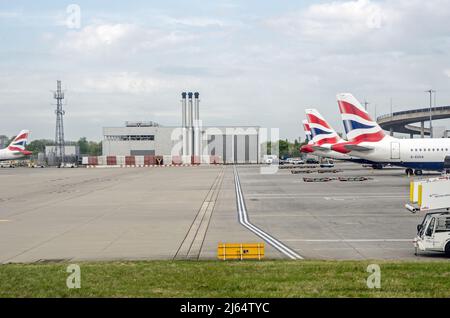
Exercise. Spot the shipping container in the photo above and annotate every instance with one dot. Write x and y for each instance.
(111, 160)
(130, 161)
(149, 160)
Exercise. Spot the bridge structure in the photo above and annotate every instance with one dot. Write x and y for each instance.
(405, 122)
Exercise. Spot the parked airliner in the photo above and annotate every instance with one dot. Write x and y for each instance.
(367, 140)
(324, 136)
(16, 150)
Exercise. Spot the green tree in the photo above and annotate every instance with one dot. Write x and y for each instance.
(38, 145)
(286, 148)
(84, 145)
(283, 148)
(90, 148)
(95, 148)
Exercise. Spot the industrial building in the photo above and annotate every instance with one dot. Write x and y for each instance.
(192, 142)
(4, 141)
(71, 154)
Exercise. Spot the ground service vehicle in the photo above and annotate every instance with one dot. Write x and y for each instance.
(433, 234)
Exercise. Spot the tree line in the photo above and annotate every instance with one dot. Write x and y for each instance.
(90, 148)
(286, 148)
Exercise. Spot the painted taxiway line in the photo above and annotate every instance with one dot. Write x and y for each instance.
(318, 194)
(347, 197)
(243, 220)
(367, 215)
(350, 240)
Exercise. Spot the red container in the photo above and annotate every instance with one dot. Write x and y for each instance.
(149, 160)
(111, 160)
(130, 160)
(93, 161)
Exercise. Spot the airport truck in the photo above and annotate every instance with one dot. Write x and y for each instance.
(7, 164)
(433, 234)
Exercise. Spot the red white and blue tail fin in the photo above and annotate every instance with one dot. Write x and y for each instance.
(20, 143)
(322, 132)
(307, 130)
(358, 124)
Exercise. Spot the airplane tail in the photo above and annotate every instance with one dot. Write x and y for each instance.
(307, 148)
(20, 143)
(307, 130)
(358, 124)
(322, 132)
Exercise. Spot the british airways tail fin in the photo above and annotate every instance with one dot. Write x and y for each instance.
(20, 143)
(307, 130)
(358, 124)
(322, 132)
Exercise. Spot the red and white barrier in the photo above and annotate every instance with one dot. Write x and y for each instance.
(148, 161)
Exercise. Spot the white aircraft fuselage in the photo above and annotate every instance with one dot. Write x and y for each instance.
(420, 154)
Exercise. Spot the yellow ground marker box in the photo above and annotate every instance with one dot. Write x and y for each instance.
(240, 251)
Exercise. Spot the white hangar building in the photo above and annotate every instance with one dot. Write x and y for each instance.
(190, 141)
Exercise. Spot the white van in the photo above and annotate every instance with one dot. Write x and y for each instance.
(433, 235)
(270, 159)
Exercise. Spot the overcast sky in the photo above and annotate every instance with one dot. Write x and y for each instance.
(254, 62)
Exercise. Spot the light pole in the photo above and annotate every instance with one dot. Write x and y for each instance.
(391, 106)
(366, 103)
(430, 91)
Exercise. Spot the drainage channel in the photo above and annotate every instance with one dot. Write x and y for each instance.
(192, 244)
(244, 221)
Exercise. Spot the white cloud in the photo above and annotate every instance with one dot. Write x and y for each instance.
(93, 37)
(120, 38)
(368, 26)
(200, 22)
(123, 82)
(123, 65)
(335, 20)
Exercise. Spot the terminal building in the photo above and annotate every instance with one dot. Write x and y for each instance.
(191, 141)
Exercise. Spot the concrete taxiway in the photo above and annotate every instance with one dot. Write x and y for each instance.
(184, 212)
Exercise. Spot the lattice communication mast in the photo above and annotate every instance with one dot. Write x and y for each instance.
(59, 139)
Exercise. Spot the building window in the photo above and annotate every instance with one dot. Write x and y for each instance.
(130, 137)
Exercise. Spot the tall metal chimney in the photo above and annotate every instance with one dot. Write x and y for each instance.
(183, 109)
(184, 124)
(197, 132)
(190, 111)
(196, 107)
(190, 122)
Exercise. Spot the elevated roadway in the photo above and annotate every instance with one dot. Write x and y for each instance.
(402, 122)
